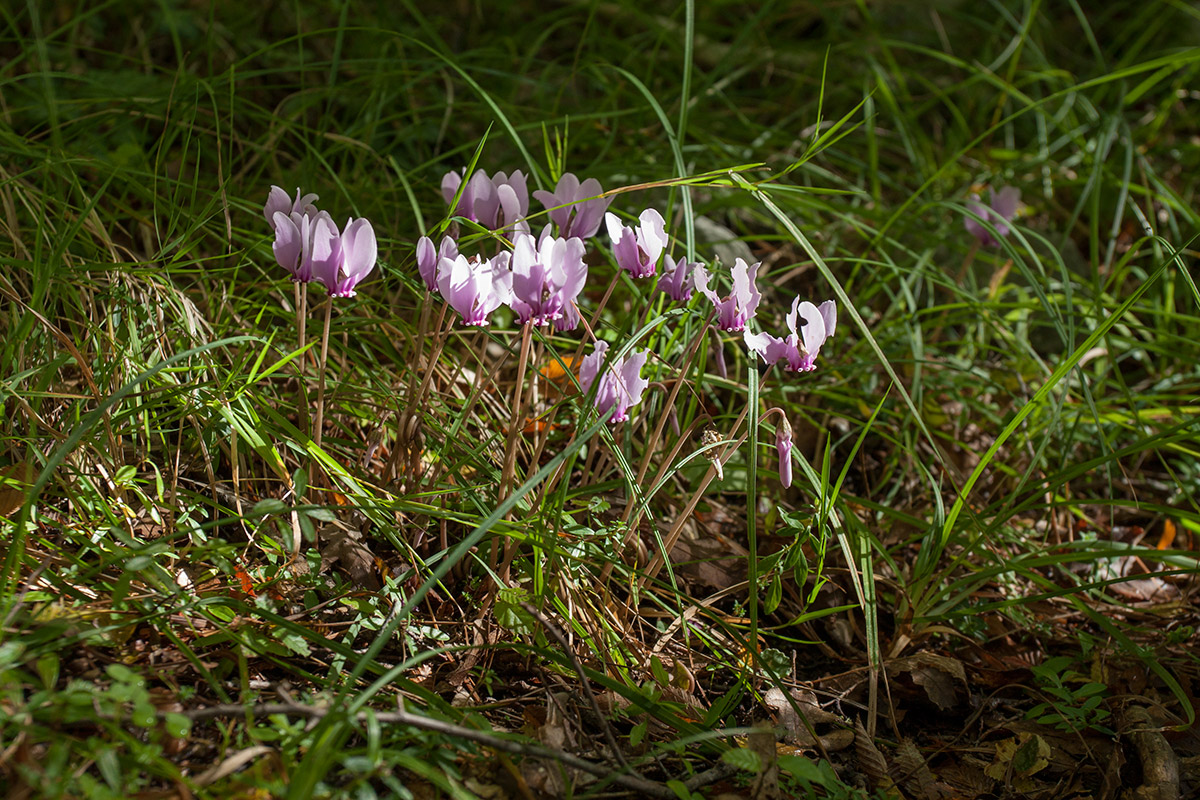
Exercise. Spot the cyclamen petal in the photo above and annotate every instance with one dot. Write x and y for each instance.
(621, 385)
(1002, 208)
(800, 347)
(569, 320)
(637, 250)
(570, 208)
(735, 310)
(501, 201)
(289, 243)
(428, 258)
(783, 444)
(359, 251)
(475, 288)
(678, 281)
(326, 252)
(279, 202)
(547, 277)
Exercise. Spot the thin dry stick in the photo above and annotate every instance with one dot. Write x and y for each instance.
(557, 635)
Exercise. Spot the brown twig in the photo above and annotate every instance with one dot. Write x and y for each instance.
(558, 636)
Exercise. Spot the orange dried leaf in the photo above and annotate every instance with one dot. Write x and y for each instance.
(1168, 535)
(244, 579)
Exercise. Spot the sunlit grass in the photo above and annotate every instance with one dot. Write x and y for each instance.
(984, 433)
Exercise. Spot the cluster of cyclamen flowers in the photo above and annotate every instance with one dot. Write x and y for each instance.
(310, 247)
(541, 278)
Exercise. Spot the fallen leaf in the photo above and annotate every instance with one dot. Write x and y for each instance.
(870, 760)
(1018, 759)
(936, 674)
(14, 483)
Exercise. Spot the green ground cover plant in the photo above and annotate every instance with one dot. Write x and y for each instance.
(597, 398)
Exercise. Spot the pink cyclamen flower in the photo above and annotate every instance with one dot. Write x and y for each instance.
(783, 443)
(428, 258)
(569, 320)
(1003, 207)
(304, 243)
(546, 277)
(278, 201)
(475, 288)
(621, 385)
(570, 208)
(677, 280)
(734, 311)
(799, 347)
(500, 201)
(352, 258)
(637, 250)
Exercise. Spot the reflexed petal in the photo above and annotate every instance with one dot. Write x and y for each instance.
(701, 279)
(485, 200)
(278, 202)
(829, 316)
(450, 183)
(744, 289)
(615, 229)
(326, 252)
(359, 253)
(677, 280)
(769, 347)
(653, 234)
(783, 444)
(427, 262)
(813, 331)
(519, 187)
(569, 261)
(511, 216)
(590, 366)
(459, 285)
(1006, 202)
(569, 320)
(305, 204)
(289, 245)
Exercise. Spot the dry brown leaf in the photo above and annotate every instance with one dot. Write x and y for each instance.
(356, 559)
(936, 674)
(914, 773)
(766, 782)
(14, 483)
(235, 762)
(793, 723)
(870, 761)
(1018, 759)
